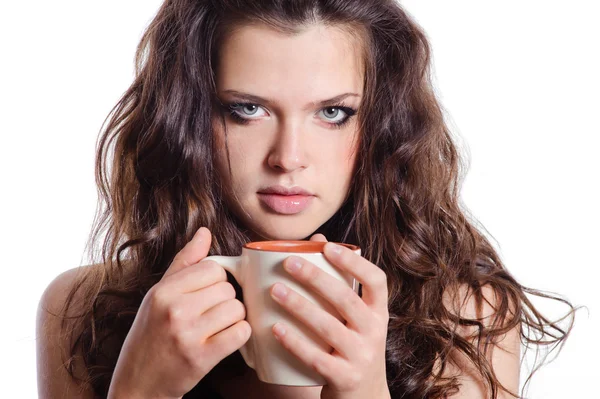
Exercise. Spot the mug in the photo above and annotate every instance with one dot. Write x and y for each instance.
(259, 267)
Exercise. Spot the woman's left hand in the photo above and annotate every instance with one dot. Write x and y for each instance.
(355, 369)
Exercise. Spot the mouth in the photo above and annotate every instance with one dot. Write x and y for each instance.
(285, 201)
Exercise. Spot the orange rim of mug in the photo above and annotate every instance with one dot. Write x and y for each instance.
(293, 246)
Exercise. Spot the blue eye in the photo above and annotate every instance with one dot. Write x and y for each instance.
(243, 107)
(335, 110)
(236, 110)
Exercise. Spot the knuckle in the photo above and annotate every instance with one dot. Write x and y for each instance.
(368, 357)
(236, 309)
(213, 266)
(317, 365)
(158, 297)
(179, 258)
(175, 316)
(240, 309)
(221, 272)
(353, 379)
(242, 331)
(227, 289)
(207, 266)
(380, 278)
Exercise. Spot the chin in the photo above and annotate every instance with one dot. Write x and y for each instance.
(285, 228)
(281, 234)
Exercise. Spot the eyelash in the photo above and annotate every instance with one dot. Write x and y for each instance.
(231, 108)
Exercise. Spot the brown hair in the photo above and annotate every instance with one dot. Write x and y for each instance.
(403, 208)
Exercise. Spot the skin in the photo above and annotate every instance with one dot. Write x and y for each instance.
(289, 144)
(292, 141)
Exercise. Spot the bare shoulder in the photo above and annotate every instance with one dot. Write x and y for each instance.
(53, 343)
(503, 355)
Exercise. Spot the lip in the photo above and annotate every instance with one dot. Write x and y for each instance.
(285, 201)
(281, 190)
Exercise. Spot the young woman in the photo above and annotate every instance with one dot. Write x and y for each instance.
(285, 120)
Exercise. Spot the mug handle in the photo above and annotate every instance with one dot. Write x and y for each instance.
(233, 265)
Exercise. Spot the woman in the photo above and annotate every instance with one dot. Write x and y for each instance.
(235, 105)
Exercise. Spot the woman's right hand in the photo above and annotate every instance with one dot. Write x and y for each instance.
(187, 323)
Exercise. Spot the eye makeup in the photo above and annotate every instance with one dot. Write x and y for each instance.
(232, 109)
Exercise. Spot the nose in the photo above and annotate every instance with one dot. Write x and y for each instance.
(288, 152)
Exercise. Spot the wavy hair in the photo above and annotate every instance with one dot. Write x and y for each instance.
(158, 185)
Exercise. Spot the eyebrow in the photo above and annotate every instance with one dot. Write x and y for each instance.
(322, 103)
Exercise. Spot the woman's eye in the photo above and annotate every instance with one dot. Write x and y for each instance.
(245, 109)
(335, 116)
(338, 115)
(331, 113)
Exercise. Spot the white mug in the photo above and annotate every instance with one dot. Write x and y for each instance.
(256, 270)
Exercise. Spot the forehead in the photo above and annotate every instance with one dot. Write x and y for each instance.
(316, 63)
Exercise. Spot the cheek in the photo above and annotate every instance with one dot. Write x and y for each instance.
(345, 159)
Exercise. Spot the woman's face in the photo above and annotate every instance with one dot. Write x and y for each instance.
(288, 139)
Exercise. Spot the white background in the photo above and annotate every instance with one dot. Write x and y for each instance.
(518, 79)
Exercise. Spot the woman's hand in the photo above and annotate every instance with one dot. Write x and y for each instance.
(187, 323)
(356, 366)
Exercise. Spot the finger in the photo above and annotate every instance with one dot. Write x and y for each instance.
(318, 237)
(200, 302)
(326, 326)
(195, 277)
(220, 317)
(372, 278)
(223, 344)
(347, 302)
(307, 352)
(209, 297)
(194, 251)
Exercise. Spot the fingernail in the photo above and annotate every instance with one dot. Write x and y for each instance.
(292, 264)
(279, 291)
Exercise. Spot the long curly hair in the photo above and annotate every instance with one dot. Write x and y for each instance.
(157, 184)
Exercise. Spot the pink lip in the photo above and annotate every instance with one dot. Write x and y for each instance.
(281, 190)
(287, 201)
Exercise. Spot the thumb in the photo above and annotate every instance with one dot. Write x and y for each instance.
(318, 237)
(193, 252)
